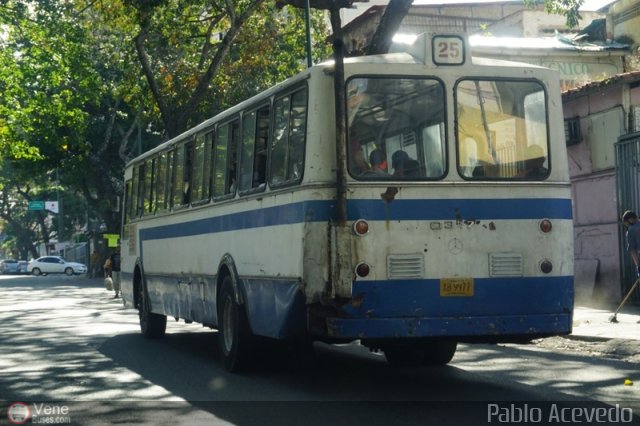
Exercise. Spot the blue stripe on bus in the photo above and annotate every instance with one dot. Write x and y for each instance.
(499, 306)
(324, 211)
(499, 296)
(465, 209)
(287, 214)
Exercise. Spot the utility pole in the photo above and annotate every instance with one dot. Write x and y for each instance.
(308, 25)
(60, 218)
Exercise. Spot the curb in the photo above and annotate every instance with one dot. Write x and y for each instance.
(594, 339)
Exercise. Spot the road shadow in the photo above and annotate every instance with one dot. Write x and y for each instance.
(337, 383)
(58, 339)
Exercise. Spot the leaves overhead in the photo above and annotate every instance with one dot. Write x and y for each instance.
(568, 8)
(87, 84)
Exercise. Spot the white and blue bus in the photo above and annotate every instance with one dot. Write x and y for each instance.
(458, 223)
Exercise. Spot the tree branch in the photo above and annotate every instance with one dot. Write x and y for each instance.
(393, 15)
(125, 138)
(319, 4)
(216, 62)
(148, 72)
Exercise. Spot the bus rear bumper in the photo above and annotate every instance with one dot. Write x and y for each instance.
(479, 329)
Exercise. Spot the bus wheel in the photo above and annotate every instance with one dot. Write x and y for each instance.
(234, 339)
(439, 353)
(152, 326)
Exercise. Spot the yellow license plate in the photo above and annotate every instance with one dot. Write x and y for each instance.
(456, 287)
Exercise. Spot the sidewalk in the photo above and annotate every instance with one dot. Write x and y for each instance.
(593, 323)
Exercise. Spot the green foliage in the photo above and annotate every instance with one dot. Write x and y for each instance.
(75, 99)
(568, 8)
(270, 48)
(46, 83)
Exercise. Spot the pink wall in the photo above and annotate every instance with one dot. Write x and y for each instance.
(594, 204)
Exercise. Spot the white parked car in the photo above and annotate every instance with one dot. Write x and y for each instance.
(9, 266)
(55, 265)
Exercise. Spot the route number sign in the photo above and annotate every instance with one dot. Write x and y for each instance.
(448, 50)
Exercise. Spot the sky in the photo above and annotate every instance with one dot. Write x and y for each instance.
(349, 14)
(588, 5)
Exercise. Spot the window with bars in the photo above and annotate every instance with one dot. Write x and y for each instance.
(635, 118)
(572, 131)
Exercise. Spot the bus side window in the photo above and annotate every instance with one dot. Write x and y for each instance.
(198, 191)
(224, 159)
(171, 158)
(247, 151)
(127, 197)
(232, 184)
(262, 141)
(289, 135)
(208, 163)
(139, 194)
(298, 135)
(149, 192)
(220, 160)
(253, 161)
(177, 187)
(161, 182)
(133, 198)
(187, 173)
(178, 177)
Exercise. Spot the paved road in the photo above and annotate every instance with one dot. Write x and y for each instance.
(66, 339)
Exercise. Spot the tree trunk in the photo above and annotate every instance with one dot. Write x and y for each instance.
(393, 16)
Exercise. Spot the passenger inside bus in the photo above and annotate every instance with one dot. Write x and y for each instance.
(378, 161)
(259, 173)
(404, 166)
(534, 163)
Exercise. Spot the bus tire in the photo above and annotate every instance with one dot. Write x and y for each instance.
(152, 326)
(440, 352)
(235, 339)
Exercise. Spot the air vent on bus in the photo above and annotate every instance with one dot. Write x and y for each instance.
(408, 138)
(505, 265)
(405, 266)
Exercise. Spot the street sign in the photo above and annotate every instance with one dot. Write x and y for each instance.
(112, 239)
(52, 206)
(36, 205)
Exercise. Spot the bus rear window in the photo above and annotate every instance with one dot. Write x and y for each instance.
(501, 130)
(396, 128)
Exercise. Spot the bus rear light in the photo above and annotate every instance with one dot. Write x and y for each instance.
(360, 227)
(362, 270)
(546, 266)
(545, 226)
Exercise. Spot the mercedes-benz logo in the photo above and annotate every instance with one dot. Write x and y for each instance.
(455, 246)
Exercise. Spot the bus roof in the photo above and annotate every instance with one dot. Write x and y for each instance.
(417, 53)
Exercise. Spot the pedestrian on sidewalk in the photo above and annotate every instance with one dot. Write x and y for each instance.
(95, 263)
(115, 270)
(630, 221)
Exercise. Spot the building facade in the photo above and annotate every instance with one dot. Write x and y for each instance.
(598, 115)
